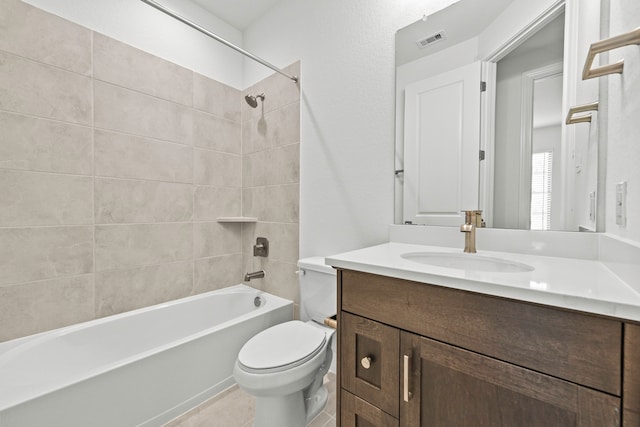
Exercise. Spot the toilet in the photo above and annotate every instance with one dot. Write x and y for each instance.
(284, 365)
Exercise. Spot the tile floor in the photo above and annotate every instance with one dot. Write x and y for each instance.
(235, 408)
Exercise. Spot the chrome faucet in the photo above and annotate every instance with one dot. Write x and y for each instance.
(472, 220)
(255, 275)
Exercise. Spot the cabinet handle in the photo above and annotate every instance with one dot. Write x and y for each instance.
(366, 362)
(406, 394)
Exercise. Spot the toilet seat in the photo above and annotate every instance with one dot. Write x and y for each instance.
(281, 347)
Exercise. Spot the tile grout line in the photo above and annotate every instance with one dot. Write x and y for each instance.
(193, 190)
(93, 173)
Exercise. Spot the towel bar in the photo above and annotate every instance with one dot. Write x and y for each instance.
(581, 109)
(632, 37)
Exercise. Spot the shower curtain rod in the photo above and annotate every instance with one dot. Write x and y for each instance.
(195, 26)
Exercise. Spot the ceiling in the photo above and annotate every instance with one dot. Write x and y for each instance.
(460, 21)
(239, 13)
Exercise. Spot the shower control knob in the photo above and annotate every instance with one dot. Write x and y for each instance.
(366, 362)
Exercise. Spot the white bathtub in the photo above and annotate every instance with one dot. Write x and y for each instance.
(142, 367)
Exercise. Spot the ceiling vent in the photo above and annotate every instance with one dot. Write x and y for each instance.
(434, 38)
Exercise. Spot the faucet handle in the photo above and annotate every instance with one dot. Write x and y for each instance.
(473, 217)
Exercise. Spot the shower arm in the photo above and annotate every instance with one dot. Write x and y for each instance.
(203, 30)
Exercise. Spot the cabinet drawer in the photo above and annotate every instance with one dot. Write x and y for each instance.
(356, 412)
(369, 361)
(572, 346)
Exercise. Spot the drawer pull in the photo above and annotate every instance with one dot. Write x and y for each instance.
(366, 362)
(406, 394)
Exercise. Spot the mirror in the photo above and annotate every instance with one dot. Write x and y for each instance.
(503, 150)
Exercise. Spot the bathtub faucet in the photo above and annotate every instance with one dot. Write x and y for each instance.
(254, 275)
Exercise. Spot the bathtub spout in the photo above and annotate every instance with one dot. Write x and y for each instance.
(254, 275)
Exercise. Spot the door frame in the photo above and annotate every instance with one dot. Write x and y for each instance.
(488, 111)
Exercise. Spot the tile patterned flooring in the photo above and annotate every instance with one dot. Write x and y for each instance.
(235, 408)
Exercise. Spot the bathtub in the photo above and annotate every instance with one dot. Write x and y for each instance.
(140, 368)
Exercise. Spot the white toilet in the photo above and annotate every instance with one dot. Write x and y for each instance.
(284, 366)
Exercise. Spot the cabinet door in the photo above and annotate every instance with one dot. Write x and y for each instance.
(631, 417)
(369, 361)
(452, 387)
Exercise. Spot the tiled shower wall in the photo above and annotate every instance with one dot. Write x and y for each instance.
(114, 165)
(271, 181)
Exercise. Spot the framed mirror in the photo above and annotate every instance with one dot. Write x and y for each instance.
(482, 89)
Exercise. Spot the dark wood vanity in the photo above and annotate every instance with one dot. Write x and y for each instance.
(414, 354)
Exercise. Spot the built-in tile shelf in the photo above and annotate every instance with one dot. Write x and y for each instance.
(236, 219)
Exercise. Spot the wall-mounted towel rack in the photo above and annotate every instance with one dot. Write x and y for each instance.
(632, 37)
(581, 109)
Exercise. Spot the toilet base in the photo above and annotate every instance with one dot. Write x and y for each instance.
(316, 403)
(291, 410)
(280, 411)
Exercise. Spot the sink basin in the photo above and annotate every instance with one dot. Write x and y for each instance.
(467, 262)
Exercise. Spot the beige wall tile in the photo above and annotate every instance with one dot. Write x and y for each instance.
(216, 133)
(272, 167)
(126, 156)
(280, 278)
(33, 198)
(254, 168)
(217, 272)
(278, 203)
(277, 128)
(156, 196)
(279, 91)
(29, 143)
(42, 90)
(120, 247)
(253, 202)
(131, 112)
(214, 238)
(35, 307)
(216, 98)
(282, 203)
(124, 290)
(30, 32)
(213, 202)
(283, 165)
(215, 168)
(29, 254)
(124, 65)
(119, 201)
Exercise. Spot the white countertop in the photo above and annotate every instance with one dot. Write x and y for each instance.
(577, 284)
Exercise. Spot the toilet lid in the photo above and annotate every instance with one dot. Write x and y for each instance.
(285, 345)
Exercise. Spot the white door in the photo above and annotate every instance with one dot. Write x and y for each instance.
(441, 147)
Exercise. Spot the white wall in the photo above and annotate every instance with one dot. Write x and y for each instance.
(346, 50)
(623, 151)
(148, 29)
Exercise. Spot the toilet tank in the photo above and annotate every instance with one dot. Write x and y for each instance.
(317, 289)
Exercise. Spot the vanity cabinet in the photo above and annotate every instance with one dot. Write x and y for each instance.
(631, 391)
(413, 354)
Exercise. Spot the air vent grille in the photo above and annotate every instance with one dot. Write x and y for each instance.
(429, 40)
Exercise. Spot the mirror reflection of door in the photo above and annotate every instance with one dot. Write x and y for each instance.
(528, 175)
(441, 146)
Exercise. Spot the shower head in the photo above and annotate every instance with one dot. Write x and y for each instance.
(253, 100)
